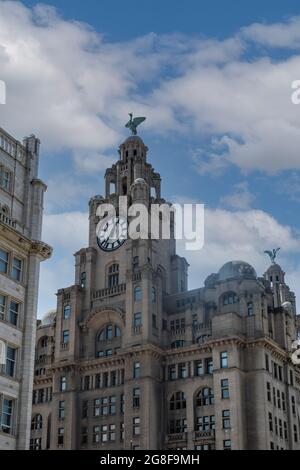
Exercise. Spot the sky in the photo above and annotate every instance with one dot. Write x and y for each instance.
(214, 80)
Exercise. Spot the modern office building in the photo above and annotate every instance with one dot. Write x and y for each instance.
(131, 359)
(21, 251)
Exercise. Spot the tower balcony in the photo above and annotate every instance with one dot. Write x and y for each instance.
(177, 437)
(204, 435)
(108, 292)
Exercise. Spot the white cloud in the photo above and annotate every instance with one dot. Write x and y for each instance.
(66, 231)
(243, 235)
(241, 198)
(76, 89)
(285, 34)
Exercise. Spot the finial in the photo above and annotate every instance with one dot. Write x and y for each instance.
(134, 123)
(273, 254)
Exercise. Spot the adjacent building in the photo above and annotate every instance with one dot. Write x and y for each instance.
(21, 251)
(132, 359)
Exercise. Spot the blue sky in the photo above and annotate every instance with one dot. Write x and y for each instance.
(214, 80)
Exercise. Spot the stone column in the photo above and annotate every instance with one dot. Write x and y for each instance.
(28, 352)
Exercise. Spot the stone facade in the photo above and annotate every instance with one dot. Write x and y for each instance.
(132, 359)
(21, 251)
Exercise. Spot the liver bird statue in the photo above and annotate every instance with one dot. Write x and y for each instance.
(272, 254)
(134, 123)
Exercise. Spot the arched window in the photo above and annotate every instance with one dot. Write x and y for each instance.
(178, 401)
(137, 294)
(109, 332)
(153, 295)
(205, 397)
(37, 422)
(230, 298)
(113, 275)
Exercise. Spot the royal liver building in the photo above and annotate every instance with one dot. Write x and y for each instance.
(132, 359)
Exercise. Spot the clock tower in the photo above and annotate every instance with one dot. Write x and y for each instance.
(117, 304)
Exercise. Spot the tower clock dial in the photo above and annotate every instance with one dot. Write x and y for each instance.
(112, 234)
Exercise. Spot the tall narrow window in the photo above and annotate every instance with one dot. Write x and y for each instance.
(67, 312)
(113, 275)
(137, 294)
(16, 272)
(60, 436)
(13, 314)
(63, 383)
(2, 306)
(224, 360)
(136, 397)
(10, 361)
(225, 388)
(61, 409)
(4, 257)
(226, 419)
(136, 370)
(137, 320)
(6, 416)
(66, 336)
(136, 431)
(83, 280)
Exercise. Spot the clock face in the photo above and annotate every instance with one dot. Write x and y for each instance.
(112, 234)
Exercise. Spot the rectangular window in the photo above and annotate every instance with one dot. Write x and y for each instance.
(283, 401)
(83, 280)
(285, 430)
(84, 435)
(137, 319)
(61, 409)
(122, 404)
(96, 434)
(205, 423)
(66, 336)
(104, 433)
(63, 384)
(269, 392)
(5, 178)
(293, 406)
(154, 320)
(278, 399)
(10, 361)
(6, 416)
(122, 431)
(97, 407)
(178, 426)
(136, 426)
(172, 372)
(226, 419)
(270, 422)
(13, 314)
(16, 272)
(183, 371)
(60, 436)
(85, 407)
(224, 360)
(112, 432)
(136, 397)
(295, 433)
(225, 388)
(199, 370)
(2, 306)
(280, 428)
(227, 444)
(67, 312)
(267, 362)
(4, 257)
(136, 370)
(209, 368)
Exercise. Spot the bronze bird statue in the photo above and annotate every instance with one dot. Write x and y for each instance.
(272, 254)
(134, 123)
